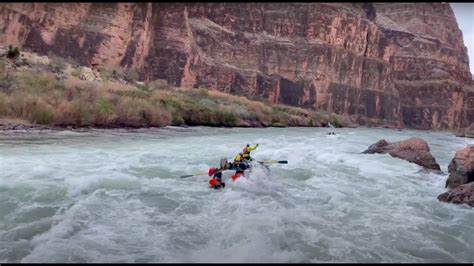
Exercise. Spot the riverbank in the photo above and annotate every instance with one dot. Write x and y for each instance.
(53, 92)
(35, 128)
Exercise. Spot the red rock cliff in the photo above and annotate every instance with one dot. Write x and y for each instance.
(379, 63)
(430, 64)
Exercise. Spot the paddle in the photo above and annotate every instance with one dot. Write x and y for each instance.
(204, 173)
(273, 161)
(184, 176)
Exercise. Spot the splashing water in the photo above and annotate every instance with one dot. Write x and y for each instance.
(116, 196)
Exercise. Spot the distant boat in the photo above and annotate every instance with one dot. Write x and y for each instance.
(332, 134)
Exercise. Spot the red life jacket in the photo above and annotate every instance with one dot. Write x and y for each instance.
(211, 171)
(236, 176)
(214, 182)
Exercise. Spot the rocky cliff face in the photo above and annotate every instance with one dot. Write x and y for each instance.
(379, 63)
(430, 64)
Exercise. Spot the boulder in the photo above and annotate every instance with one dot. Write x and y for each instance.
(463, 194)
(414, 150)
(461, 168)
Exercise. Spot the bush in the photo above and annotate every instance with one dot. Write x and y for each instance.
(22, 104)
(208, 103)
(157, 116)
(144, 88)
(130, 112)
(4, 102)
(83, 113)
(77, 72)
(42, 98)
(177, 120)
(64, 115)
(3, 71)
(13, 53)
(57, 61)
(259, 98)
(42, 113)
(42, 83)
(104, 112)
(227, 119)
(134, 94)
(131, 75)
(159, 84)
(72, 62)
(203, 92)
(334, 120)
(54, 98)
(106, 75)
(238, 110)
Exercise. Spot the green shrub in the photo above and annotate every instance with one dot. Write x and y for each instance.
(3, 70)
(105, 112)
(203, 92)
(57, 62)
(159, 84)
(208, 103)
(4, 102)
(131, 75)
(334, 120)
(42, 113)
(21, 104)
(77, 72)
(144, 88)
(157, 116)
(228, 119)
(72, 62)
(172, 105)
(83, 113)
(42, 98)
(42, 83)
(106, 75)
(177, 120)
(133, 93)
(130, 112)
(237, 110)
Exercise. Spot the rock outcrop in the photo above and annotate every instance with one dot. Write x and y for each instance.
(461, 168)
(463, 194)
(382, 64)
(414, 150)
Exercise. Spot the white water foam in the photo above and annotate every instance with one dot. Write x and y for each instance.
(116, 196)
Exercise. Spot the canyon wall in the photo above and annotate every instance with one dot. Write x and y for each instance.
(382, 64)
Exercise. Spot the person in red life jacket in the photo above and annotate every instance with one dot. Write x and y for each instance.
(246, 152)
(216, 173)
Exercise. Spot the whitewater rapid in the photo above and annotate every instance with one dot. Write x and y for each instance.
(116, 196)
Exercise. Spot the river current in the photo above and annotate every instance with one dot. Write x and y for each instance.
(116, 196)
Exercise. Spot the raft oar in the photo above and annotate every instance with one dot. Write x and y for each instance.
(273, 161)
(204, 173)
(184, 176)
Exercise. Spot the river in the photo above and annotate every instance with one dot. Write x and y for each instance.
(116, 196)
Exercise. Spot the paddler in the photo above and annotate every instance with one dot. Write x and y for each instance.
(240, 163)
(247, 150)
(216, 173)
(239, 158)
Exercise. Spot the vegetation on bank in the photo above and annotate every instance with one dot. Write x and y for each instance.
(41, 98)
